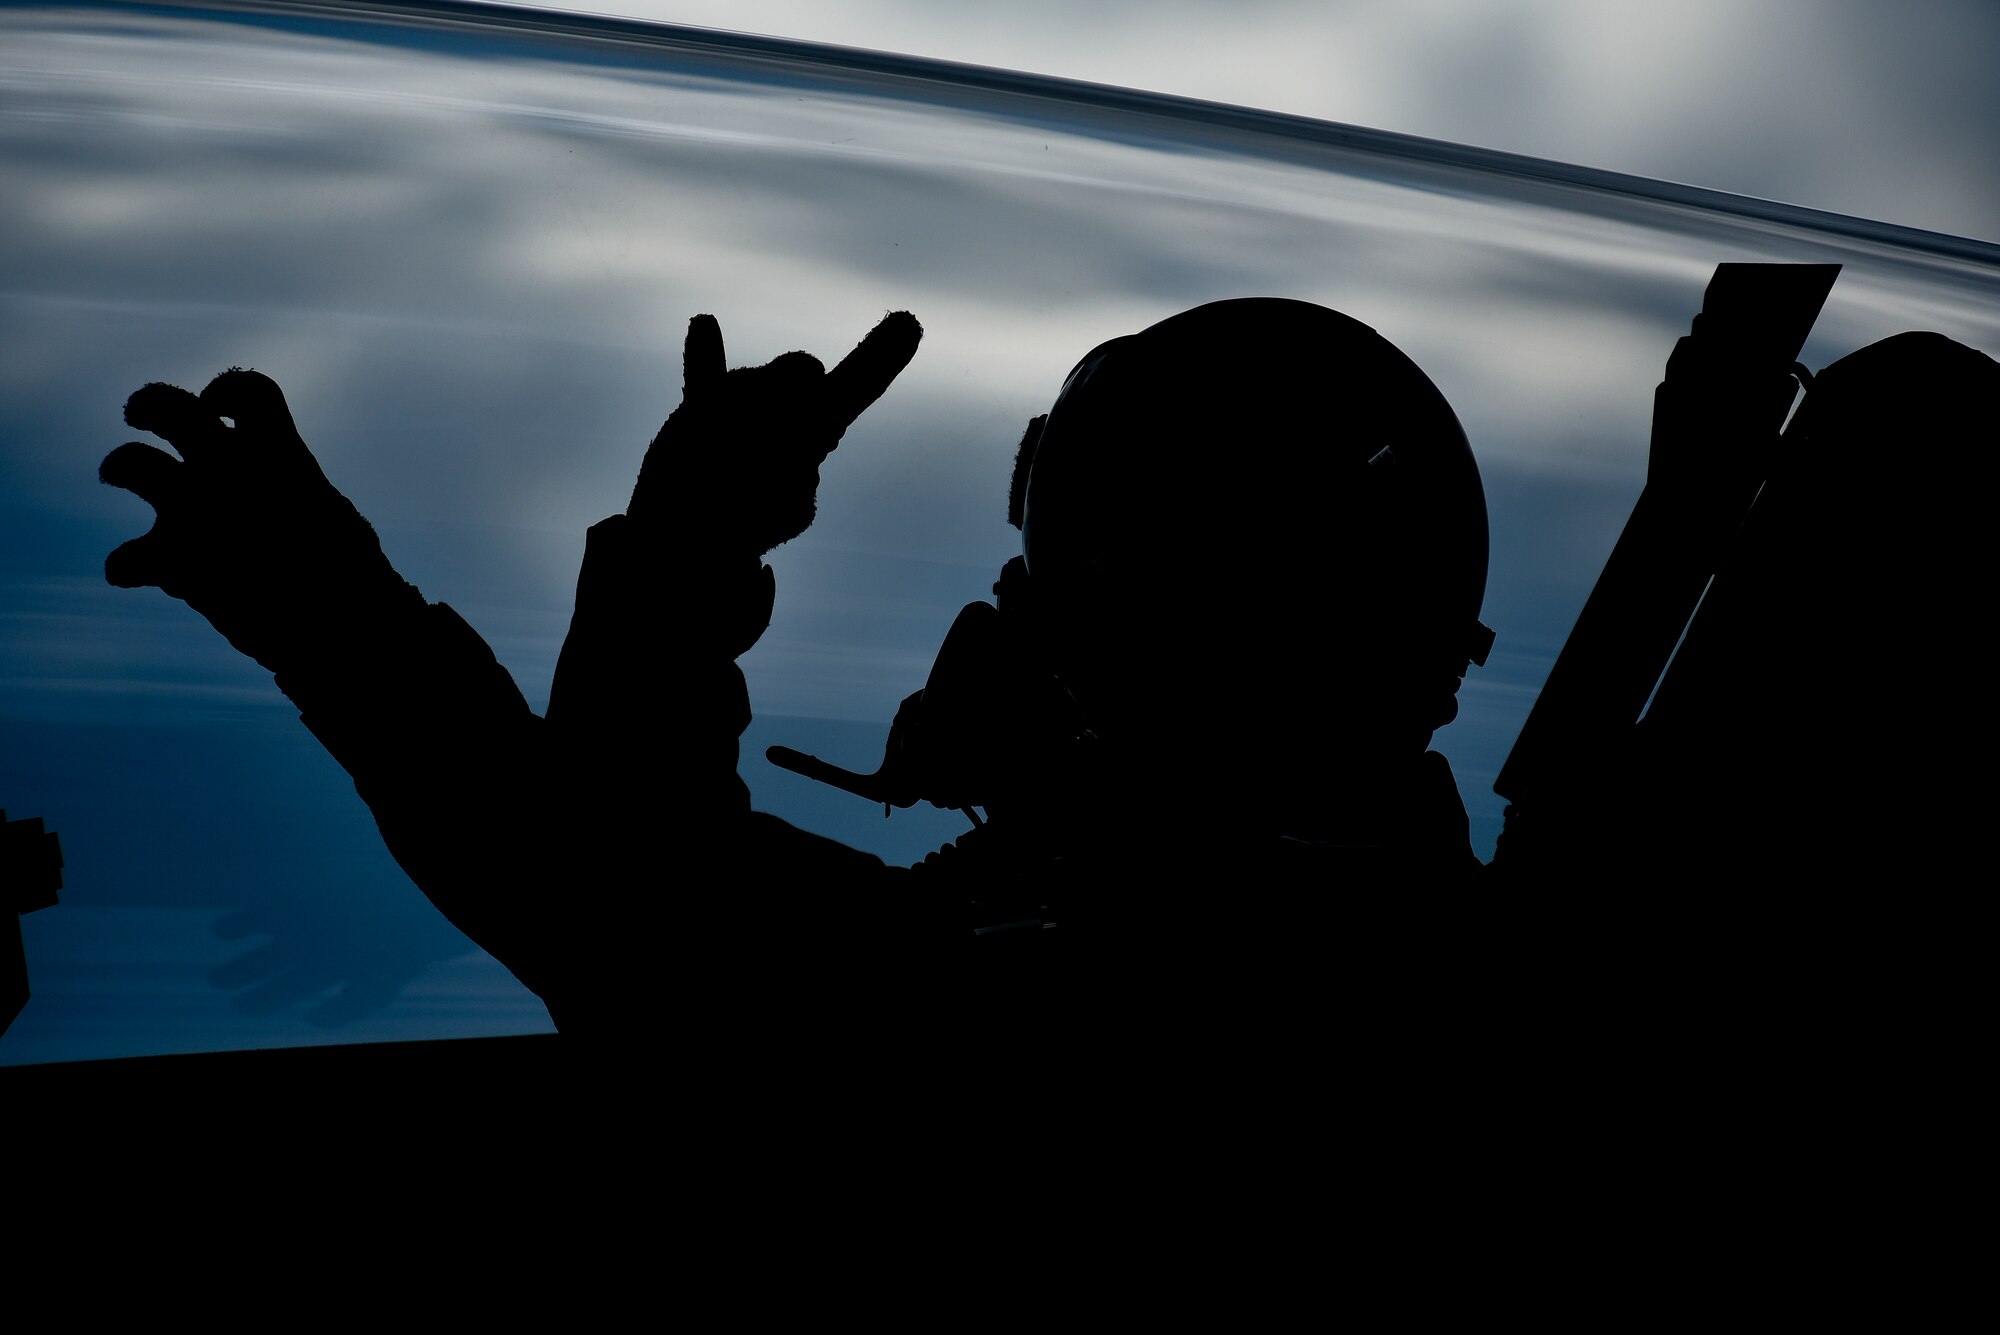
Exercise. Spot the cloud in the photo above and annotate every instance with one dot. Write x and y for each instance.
(471, 267)
(1881, 112)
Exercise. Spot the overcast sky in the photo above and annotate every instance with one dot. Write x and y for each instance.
(470, 258)
(1882, 110)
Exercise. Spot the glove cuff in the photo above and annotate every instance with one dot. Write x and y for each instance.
(657, 628)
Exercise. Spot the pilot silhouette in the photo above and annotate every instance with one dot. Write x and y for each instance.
(1196, 715)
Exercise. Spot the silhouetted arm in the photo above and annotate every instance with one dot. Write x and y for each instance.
(674, 589)
(592, 851)
(405, 695)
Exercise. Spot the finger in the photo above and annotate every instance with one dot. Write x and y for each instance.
(153, 475)
(791, 369)
(254, 402)
(137, 564)
(702, 364)
(178, 417)
(865, 373)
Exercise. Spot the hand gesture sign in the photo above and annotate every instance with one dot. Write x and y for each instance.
(249, 531)
(738, 461)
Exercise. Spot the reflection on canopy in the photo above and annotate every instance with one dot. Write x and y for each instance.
(468, 243)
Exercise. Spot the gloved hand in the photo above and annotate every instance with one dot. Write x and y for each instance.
(249, 531)
(674, 590)
(736, 467)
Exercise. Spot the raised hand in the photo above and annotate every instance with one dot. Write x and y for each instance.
(737, 464)
(249, 532)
